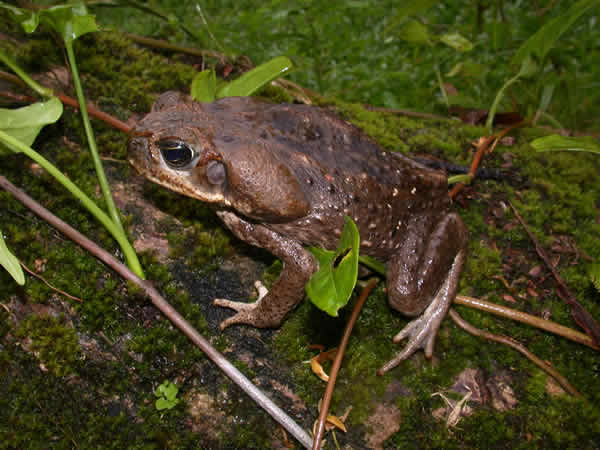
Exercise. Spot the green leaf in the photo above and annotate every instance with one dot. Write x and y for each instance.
(544, 39)
(70, 21)
(256, 78)
(556, 142)
(331, 286)
(10, 262)
(546, 96)
(166, 393)
(528, 68)
(415, 32)
(29, 20)
(171, 392)
(457, 42)
(458, 67)
(204, 86)
(163, 403)
(25, 123)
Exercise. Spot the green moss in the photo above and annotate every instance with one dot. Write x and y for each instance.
(379, 126)
(5, 322)
(199, 245)
(113, 65)
(483, 260)
(38, 53)
(53, 341)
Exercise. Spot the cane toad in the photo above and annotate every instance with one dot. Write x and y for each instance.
(282, 177)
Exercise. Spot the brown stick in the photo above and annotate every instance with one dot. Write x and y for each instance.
(482, 147)
(92, 111)
(159, 43)
(337, 362)
(407, 113)
(517, 346)
(583, 318)
(522, 317)
(157, 300)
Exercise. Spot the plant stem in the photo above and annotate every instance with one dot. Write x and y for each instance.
(113, 229)
(337, 362)
(372, 264)
(110, 204)
(41, 90)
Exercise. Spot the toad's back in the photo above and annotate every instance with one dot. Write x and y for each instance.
(340, 170)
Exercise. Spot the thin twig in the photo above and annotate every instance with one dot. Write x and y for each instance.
(407, 113)
(95, 112)
(337, 362)
(162, 44)
(583, 318)
(482, 147)
(92, 111)
(42, 279)
(522, 317)
(177, 319)
(517, 346)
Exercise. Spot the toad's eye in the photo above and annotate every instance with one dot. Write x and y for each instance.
(176, 153)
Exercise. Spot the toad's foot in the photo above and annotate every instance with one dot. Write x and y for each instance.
(421, 333)
(246, 312)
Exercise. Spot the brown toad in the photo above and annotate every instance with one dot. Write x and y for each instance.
(282, 177)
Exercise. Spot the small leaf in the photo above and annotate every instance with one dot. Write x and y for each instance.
(25, 123)
(455, 70)
(315, 363)
(336, 422)
(556, 142)
(457, 42)
(166, 393)
(318, 370)
(204, 86)
(331, 286)
(528, 68)
(546, 96)
(171, 391)
(256, 78)
(415, 32)
(11, 263)
(163, 403)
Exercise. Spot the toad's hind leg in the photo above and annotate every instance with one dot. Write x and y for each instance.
(424, 278)
(272, 306)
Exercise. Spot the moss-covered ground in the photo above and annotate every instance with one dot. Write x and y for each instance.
(82, 374)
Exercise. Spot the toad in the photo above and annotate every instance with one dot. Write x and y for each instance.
(282, 177)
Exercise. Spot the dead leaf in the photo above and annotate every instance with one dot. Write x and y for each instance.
(315, 363)
(317, 369)
(336, 422)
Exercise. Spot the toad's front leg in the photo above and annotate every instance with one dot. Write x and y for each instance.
(298, 265)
